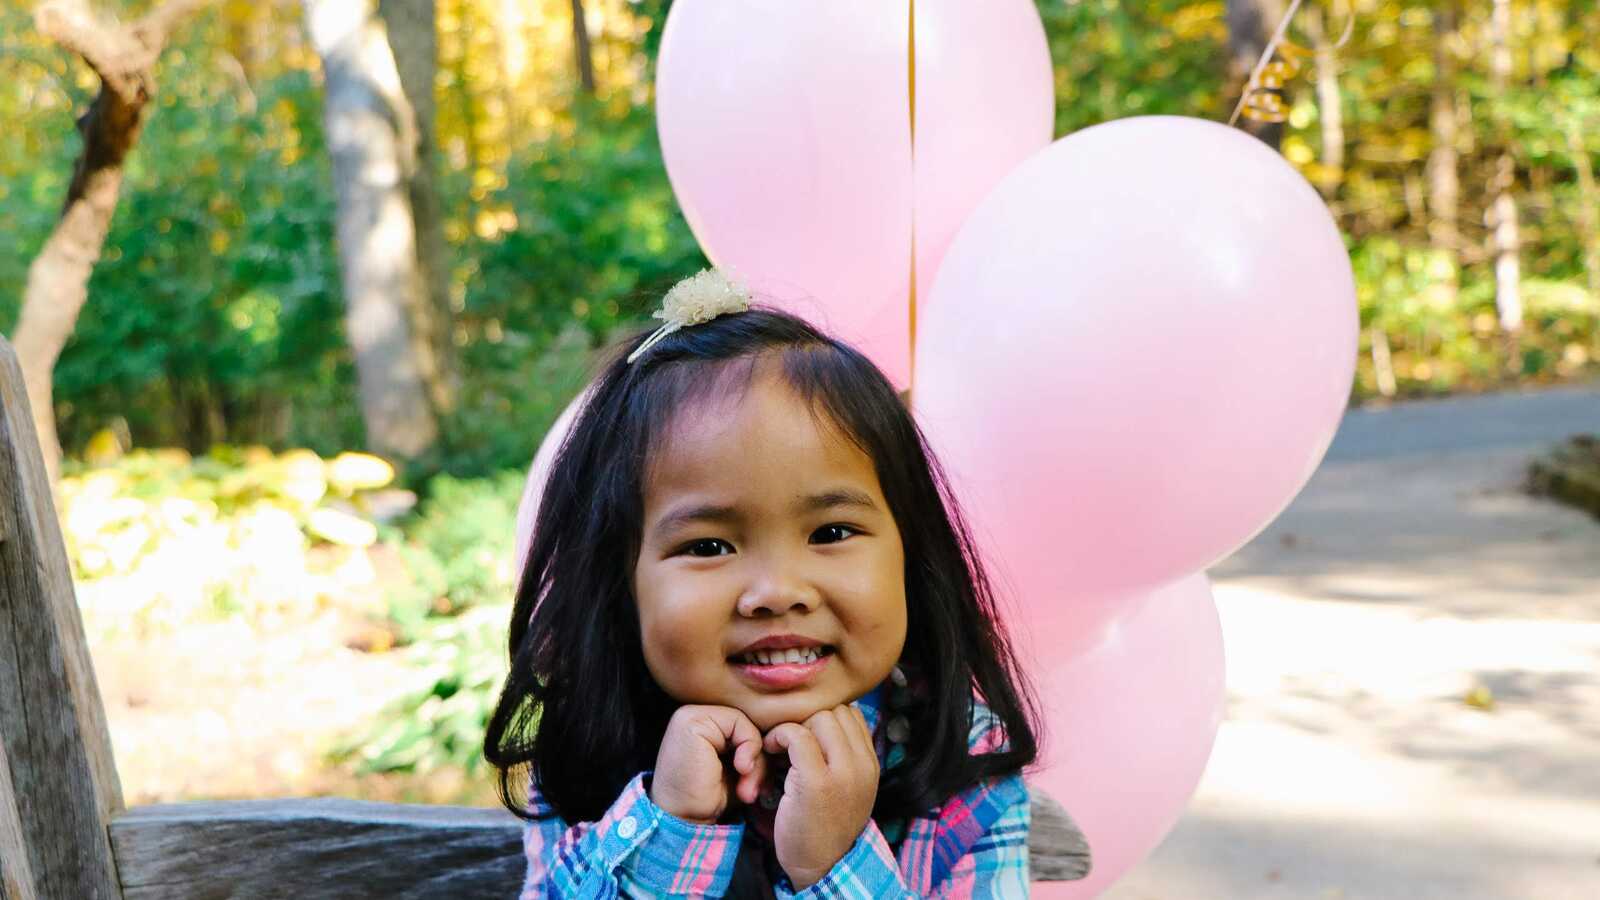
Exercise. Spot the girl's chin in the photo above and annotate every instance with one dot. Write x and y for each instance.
(768, 713)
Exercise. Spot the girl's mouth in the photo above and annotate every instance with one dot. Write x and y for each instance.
(782, 669)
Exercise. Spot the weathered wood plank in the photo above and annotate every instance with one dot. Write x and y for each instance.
(1057, 848)
(63, 782)
(16, 873)
(331, 848)
(336, 848)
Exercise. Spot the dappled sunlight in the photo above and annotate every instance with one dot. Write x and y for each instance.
(1459, 536)
(238, 710)
(1413, 678)
(1503, 704)
(1224, 851)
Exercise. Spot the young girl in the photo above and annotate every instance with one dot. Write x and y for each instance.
(753, 652)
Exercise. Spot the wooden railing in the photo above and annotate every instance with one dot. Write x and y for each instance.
(65, 834)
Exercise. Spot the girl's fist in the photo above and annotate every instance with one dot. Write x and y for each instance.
(828, 793)
(691, 780)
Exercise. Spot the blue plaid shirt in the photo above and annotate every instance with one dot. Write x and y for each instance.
(973, 845)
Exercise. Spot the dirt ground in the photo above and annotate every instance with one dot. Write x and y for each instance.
(242, 710)
(1413, 677)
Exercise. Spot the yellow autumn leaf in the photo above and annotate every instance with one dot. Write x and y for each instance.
(342, 528)
(1479, 697)
(304, 480)
(103, 449)
(350, 472)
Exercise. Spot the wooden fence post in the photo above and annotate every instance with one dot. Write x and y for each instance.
(58, 787)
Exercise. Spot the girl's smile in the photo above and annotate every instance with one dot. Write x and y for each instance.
(782, 662)
(771, 575)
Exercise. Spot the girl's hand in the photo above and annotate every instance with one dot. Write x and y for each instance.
(691, 781)
(828, 793)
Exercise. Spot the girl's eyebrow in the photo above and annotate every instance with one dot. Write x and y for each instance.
(700, 512)
(711, 512)
(840, 496)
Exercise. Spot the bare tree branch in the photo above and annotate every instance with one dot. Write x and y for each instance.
(124, 57)
(71, 24)
(160, 22)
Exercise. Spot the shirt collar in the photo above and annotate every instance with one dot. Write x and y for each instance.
(871, 705)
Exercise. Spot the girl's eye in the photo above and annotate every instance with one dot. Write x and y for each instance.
(832, 534)
(708, 547)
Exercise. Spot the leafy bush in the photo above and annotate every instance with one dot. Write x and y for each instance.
(457, 550)
(158, 539)
(452, 615)
(442, 725)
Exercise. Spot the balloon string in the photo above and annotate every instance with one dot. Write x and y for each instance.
(1266, 55)
(911, 97)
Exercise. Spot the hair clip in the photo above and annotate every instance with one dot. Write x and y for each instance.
(696, 300)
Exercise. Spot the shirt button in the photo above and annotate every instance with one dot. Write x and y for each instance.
(627, 828)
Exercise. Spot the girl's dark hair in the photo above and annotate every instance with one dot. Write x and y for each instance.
(579, 710)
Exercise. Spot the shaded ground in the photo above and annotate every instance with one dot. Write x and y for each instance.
(240, 710)
(1410, 575)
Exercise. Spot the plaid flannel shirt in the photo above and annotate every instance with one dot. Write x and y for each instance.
(974, 845)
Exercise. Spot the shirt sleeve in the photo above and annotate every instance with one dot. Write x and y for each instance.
(636, 849)
(867, 869)
(996, 865)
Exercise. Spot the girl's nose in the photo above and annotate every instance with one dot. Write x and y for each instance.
(776, 593)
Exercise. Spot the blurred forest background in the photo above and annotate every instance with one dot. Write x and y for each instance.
(209, 398)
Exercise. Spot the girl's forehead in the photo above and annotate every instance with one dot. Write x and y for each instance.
(763, 427)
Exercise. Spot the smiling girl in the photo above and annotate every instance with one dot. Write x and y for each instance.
(753, 651)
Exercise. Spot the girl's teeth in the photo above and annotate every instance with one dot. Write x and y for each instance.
(791, 655)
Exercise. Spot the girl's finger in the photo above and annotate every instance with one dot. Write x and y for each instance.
(749, 787)
(857, 725)
(836, 745)
(799, 744)
(729, 728)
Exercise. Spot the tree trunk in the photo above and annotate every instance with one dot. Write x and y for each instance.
(1588, 204)
(123, 56)
(1444, 180)
(467, 105)
(1250, 26)
(371, 132)
(1330, 106)
(581, 49)
(1503, 219)
(414, 40)
(511, 39)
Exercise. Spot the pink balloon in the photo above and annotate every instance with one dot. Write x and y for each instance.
(785, 128)
(1138, 350)
(787, 132)
(538, 474)
(985, 102)
(1131, 722)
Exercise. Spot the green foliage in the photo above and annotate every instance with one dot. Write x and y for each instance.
(1116, 59)
(440, 726)
(157, 540)
(452, 614)
(457, 550)
(216, 354)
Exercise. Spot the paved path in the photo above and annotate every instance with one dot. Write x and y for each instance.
(1410, 572)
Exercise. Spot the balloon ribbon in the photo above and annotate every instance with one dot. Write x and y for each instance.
(1262, 99)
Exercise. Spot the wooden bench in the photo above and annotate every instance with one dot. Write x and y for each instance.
(65, 834)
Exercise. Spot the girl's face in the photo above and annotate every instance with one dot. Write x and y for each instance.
(759, 526)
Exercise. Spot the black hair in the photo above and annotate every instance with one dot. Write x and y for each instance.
(579, 710)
